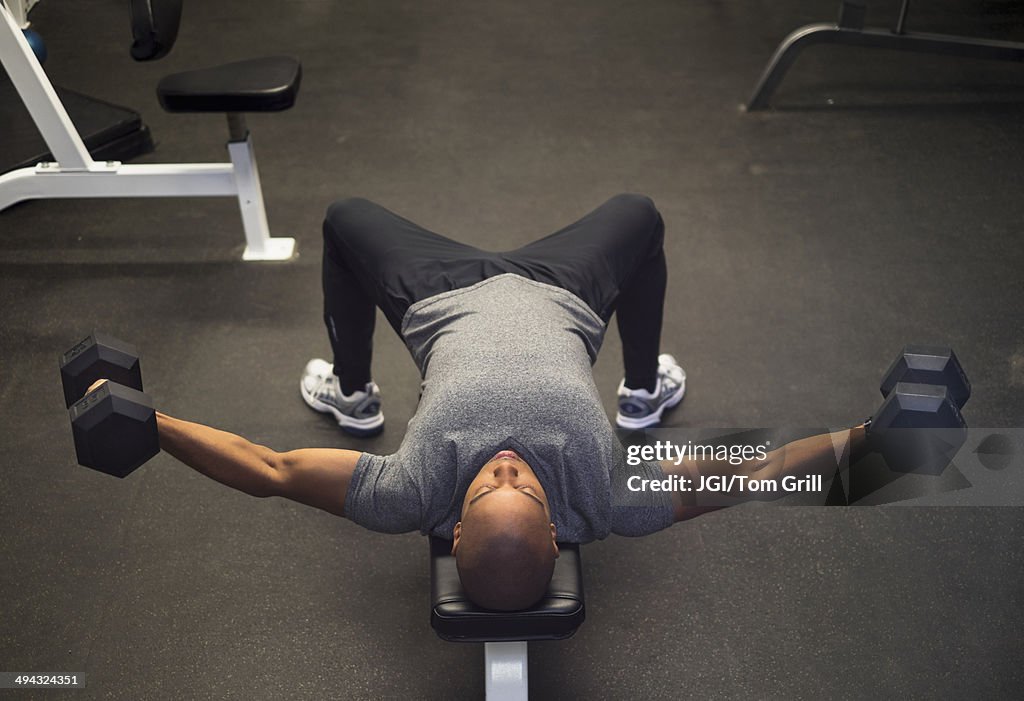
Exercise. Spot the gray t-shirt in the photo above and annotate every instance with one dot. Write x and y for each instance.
(506, 364)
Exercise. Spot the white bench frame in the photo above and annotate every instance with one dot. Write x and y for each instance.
(76, 174)
(505, 667)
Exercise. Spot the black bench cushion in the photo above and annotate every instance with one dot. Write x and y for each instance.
(257, 85)
(454, 617)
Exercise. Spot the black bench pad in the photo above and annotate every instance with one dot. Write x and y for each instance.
(257, 85)
(455, 618)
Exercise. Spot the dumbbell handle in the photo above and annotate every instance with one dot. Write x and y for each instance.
(101, 389)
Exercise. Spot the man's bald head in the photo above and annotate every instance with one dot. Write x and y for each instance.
(505, 552)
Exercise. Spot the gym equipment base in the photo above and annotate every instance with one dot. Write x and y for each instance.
(110, 132)
(75, 173)
(50, 180)
(849, 30)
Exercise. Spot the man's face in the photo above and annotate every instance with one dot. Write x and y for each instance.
(507, 494)
(505, 543)
(508, 480)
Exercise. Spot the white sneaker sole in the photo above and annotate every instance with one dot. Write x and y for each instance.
(652, 418)
(347, 423)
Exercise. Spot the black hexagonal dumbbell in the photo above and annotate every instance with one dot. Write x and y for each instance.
(98, 356)
(929, 365)
(919, 427)
(114, 426)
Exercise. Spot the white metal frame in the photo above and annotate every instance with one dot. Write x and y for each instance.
(505, 667)
(76, 174)
(20, 10)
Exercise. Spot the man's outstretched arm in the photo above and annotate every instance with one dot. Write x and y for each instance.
(814, 455)
(318, 477)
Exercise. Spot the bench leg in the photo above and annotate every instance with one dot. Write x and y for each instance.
(506, 667)
(784, 57)
(259, 245)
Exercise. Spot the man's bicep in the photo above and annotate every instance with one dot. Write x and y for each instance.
(318, 477)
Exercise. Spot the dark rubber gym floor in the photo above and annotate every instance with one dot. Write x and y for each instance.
(878, 204)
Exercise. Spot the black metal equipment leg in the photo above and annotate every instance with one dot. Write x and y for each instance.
(901, 22)
(849, 30)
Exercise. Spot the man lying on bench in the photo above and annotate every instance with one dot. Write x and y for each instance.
(510, 449)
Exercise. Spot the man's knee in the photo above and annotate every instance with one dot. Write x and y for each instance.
(642, 216)
(634, 201)
(343, 213)
(351, 224)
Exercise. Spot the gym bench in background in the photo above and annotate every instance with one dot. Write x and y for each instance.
(256, 85)
(505, 634)
(849, 30)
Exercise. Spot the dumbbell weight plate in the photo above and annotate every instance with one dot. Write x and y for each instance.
(918, 428)
(114, 429)
(929, 365)
(98, 356)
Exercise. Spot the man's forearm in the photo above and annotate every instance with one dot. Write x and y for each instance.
(815, 455)
(223, 456)
(818, 455)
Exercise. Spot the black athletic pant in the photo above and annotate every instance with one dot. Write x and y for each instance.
(612, 259)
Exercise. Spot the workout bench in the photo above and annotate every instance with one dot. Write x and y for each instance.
(257, 85)
(849, 30)
(505, 635)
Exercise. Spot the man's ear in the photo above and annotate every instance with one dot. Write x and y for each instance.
(554, 539)
(456, 534)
